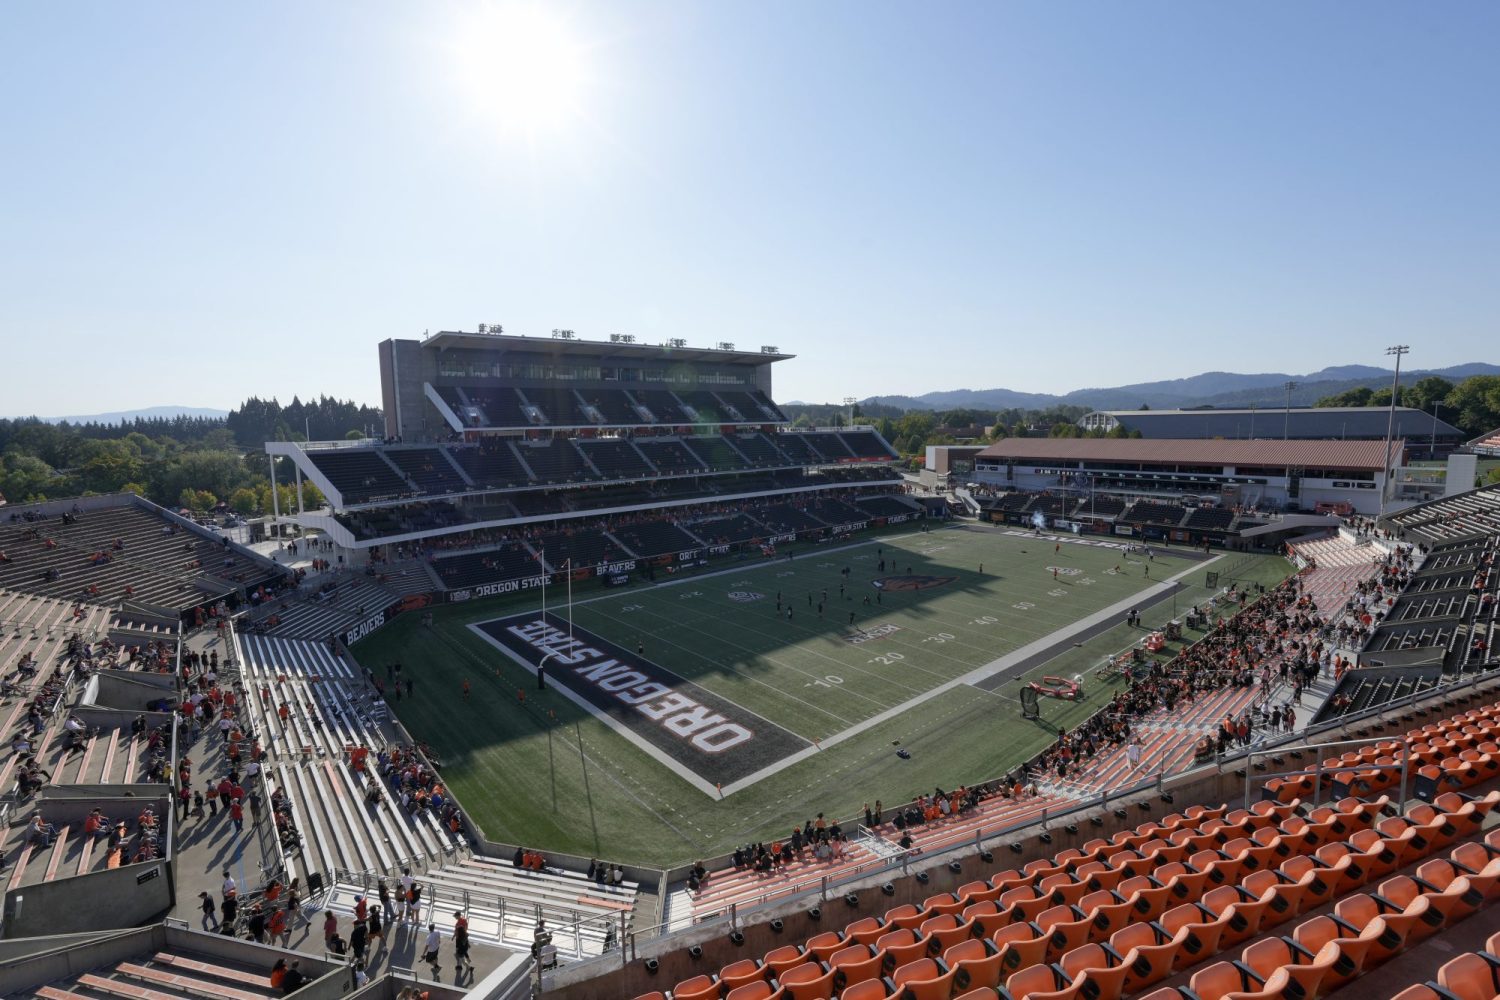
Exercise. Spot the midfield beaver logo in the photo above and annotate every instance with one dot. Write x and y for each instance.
(917, 582)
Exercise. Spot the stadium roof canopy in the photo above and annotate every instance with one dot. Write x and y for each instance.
(446, 339)
(1272, 422)
(1354, 455)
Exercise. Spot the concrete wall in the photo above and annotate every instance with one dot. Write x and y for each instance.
(130, 895)
(132, 691)
(73, 959)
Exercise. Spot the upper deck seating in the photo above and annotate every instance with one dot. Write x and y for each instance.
(767, 406)
(670, 456)
(827, 447)
(555, 461)
(760, 450)
(866, 444)
(614, 406)
(500, 405)
(360, 475)
(428, 468)
(616, 458)
(492, 464)
(561, 407)
(708, 407)
(662, 404)
(716, 453)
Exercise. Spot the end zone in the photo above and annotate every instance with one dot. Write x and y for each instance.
(707, 740)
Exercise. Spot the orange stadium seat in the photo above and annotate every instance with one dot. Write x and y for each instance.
(1042, 982)
(976, 962)
(924, 979)
(857, 963)
(808, 981)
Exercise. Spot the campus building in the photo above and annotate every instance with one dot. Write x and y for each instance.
(1420, 428)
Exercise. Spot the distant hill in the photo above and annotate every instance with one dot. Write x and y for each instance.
(1220, 389)
(149, 412)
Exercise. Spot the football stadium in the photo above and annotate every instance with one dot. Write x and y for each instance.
(625, 685)
(980, 501)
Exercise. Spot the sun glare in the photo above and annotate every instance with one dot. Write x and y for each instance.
(520, 66)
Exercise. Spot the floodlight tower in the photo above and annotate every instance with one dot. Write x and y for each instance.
(1390, 425)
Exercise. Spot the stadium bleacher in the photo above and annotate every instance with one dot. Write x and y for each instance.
(670, 456)
(655, 538)
(716, 453)
(760, 451)
(1279, 900)
(559, 407)
(731, 530)
(499, 406)
(581, 547)
(506, 562)
(662, 405)
(493, 464)
(1476, 512)
(361, 475)
(428, 468)
(555, 461)
(128, 550)
(864, 444)
(616, 458)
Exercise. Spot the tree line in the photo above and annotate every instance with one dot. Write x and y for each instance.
(1472, 405)
(199, 463)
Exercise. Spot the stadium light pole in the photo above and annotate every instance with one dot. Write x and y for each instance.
(1432, 441)
(849, 402)
(1390, 424)
(1286, 421)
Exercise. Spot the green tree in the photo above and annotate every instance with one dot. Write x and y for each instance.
(1476, 401)
(1426, 391)
(1353, 397)
(244, 501)
(354, 435)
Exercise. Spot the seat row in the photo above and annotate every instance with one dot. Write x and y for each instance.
(1364, 931)
(1117, 917)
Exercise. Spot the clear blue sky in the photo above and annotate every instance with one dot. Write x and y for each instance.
(207, 201)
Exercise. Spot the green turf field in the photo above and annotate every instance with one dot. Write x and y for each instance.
(549, 773)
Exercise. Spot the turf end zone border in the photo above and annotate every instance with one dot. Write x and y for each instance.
(710, 742)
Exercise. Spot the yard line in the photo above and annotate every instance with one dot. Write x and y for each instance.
(730, 668)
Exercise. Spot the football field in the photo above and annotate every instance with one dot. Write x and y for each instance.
(682, 717)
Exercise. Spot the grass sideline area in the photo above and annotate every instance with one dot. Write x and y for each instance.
(546, 773)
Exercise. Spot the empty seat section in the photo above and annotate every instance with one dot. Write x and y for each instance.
(716, 453)
(669, 456)
(585, 547)
(501, 406)
(614, 406)
(560, 407)
(616, 458)
(555, 461)
(508, 562)
(429, 468)
(492, 464)
(662, 405)
(360, 474)
(760, 450)
(729, 530)
(655, 538)
(866, 444)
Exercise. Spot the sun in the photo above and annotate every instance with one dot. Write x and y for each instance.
(520, 65)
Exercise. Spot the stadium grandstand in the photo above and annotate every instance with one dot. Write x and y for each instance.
(1289, 792)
